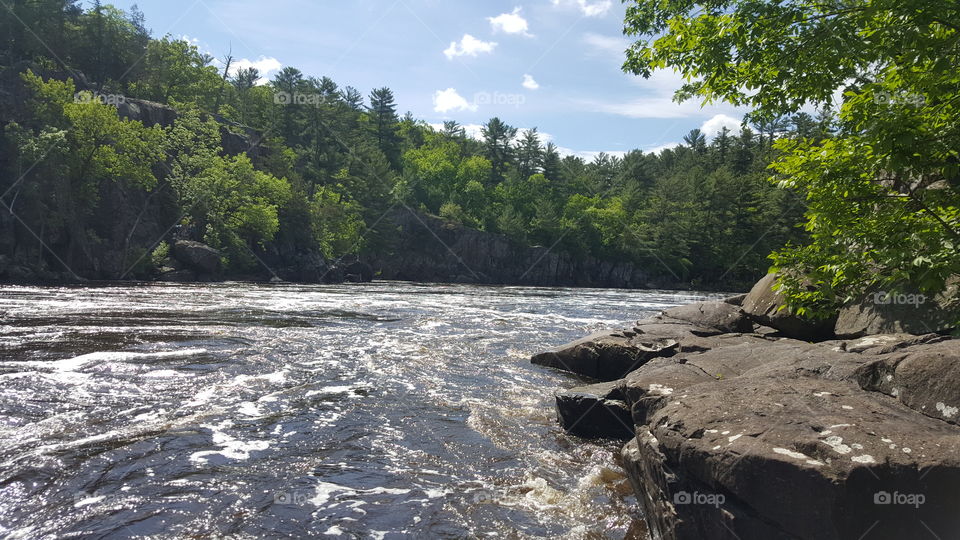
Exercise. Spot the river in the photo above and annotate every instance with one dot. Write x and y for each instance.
(386, 410)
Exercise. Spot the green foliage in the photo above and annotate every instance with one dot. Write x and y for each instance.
(883, 200)
(329, 166)
(338, 224)
(160, 254)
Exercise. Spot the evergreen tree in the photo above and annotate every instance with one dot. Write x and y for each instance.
(498, 147)
(384, 124)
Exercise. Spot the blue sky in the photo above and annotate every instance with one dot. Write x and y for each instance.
(550, 64)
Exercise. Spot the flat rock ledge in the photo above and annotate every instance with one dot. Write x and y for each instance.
(737, 432)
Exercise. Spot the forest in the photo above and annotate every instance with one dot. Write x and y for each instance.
(334, 160)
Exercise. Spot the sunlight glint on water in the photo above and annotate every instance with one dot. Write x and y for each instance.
(384, 410)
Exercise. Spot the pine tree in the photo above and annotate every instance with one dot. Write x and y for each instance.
(384, 124)
(497, 140)
(529, 154)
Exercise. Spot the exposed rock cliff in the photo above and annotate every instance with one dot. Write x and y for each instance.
(427, 248)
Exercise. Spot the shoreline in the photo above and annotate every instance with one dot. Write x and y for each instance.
(738, 426)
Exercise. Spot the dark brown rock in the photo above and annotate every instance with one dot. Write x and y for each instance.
(427, 248)
(178, 276)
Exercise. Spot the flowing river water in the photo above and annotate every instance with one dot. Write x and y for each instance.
(387, 410)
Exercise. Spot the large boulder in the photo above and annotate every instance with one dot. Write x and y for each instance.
(741, 436)
(723, 316)
(758, 458)
(356, 271)
(196, 256)
(595, 411)
(607, 356)
(926, 379)
(881, 312)
(765, 306)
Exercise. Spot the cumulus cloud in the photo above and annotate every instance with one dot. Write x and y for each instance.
(711, 128)
(510, 23)
(448, 100)
(529, 83)
(597, 8)
(266, 65)
(468, 46)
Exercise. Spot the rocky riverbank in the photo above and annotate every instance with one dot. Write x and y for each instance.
(744, 422)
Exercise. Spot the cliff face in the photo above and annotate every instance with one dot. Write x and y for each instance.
(126, 222)
(431, 249)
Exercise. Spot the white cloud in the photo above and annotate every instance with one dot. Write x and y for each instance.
(529, 83)
(450, 100)
(711, 128)
(510, 23)
(468, 46)
(607, 44)
(266, 65)
(597, 8)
